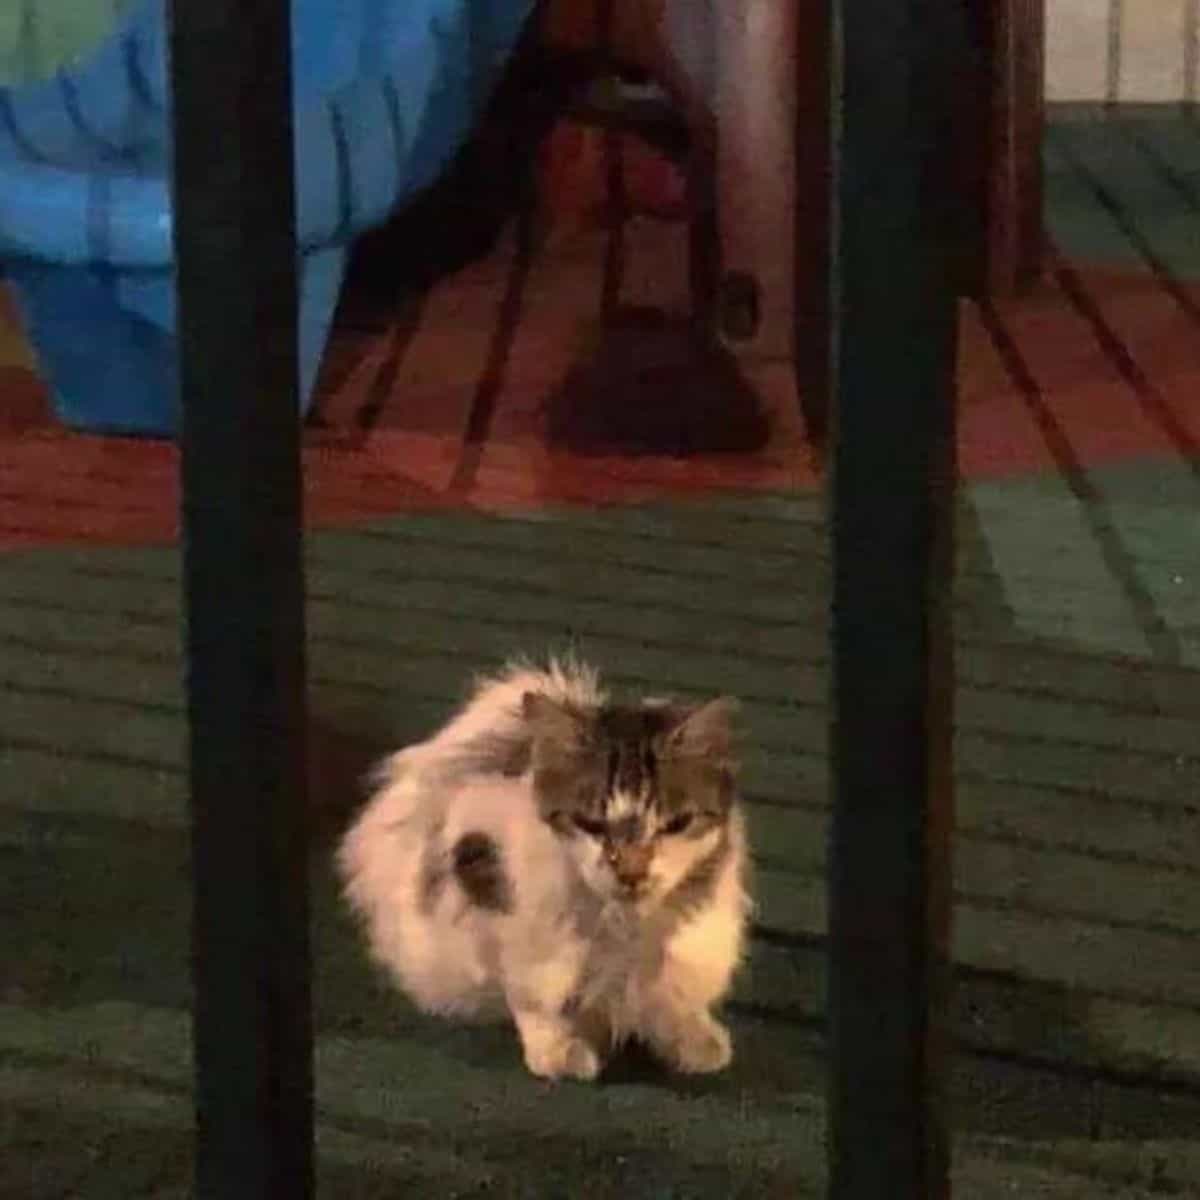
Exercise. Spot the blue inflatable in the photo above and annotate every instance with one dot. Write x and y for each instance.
(385, 92)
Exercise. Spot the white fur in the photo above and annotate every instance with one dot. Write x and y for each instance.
(575, 967)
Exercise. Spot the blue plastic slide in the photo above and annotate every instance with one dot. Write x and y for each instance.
(385, 92)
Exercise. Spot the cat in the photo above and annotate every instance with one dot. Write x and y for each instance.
(575, 863)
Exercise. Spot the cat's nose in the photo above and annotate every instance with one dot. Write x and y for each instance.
(630, 879)
(630, 864)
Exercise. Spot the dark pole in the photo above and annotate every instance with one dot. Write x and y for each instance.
(235, 248)
(895, 262)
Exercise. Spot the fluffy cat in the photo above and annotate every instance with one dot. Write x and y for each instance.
(577, 863)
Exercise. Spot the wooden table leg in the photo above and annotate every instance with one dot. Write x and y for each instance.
(755, 112)
(1013, 34)
(813, 214)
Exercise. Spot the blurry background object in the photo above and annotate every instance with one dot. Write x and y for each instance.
(39, 36)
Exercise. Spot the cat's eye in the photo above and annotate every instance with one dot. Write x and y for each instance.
(588, 825)
(677, 824)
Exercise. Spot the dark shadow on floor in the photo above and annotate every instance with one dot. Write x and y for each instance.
(339, 769)
(650, 386)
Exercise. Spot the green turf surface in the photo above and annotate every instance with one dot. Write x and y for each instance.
(1078, 1007)
(1123, 189)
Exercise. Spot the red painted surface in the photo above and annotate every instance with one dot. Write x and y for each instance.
(580, 417)
(574, 171)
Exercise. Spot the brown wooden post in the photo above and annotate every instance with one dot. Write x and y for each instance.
(234, 227)
(1013, 170)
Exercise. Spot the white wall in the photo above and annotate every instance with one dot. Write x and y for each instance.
(1132, 50)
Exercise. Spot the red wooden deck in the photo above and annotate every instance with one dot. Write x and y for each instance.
(452, 402)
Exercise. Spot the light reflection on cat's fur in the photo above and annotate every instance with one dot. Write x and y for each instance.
(577, 864)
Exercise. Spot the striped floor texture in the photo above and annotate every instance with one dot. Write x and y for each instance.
(467, 501)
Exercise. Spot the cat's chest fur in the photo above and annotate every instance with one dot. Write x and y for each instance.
(623, 958)
(618, 958)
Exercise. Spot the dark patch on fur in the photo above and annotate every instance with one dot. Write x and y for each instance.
(480, 872)
(696, 787)
(675, 758)
(633, 738)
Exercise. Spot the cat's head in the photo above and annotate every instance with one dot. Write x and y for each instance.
(640, 795)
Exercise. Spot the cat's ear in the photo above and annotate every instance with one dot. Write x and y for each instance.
(551, 722)
(706, 730)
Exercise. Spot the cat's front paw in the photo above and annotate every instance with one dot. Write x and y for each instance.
(563, 1058)
(700, 1047)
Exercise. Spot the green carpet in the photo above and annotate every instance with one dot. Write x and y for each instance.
(1078, 1005)
(1123, 187)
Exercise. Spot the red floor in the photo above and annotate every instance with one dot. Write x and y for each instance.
(445, 405)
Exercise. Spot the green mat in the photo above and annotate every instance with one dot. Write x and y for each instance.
(1123, 187)
(1068, 874)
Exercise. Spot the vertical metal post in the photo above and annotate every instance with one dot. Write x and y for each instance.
(892, 488)
(236, 257)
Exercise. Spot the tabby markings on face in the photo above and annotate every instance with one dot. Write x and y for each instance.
(632, 778)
